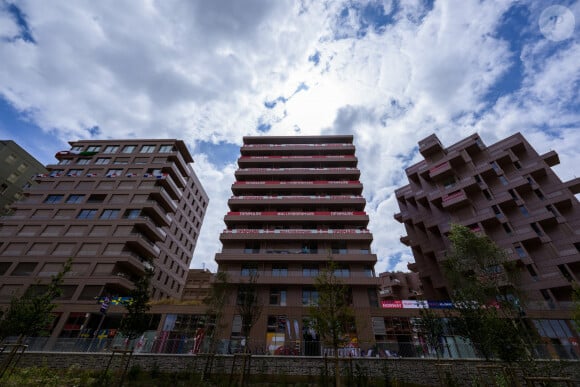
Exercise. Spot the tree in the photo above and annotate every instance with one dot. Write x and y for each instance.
(249, 306)
(136, 321)
(31, 314)
(484, 290)
(332, 316)
(215, 302)
(433, 329)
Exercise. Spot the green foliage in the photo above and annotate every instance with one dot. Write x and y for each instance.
(136, 321)
(31, 313)
(485, 294)
(433, 329)
(333, 315)
(576, 303)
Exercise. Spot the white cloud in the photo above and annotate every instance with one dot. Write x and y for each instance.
(201, 71)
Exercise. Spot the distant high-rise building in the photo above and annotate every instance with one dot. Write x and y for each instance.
(506, 191)
(296, 201)
(116, 207)
(400, 286)
(197, 285)
(17, 167)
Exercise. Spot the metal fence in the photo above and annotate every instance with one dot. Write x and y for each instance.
(451, 348)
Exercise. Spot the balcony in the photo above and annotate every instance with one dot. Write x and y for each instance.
(356, 217)
(297, 161)
(398, 217)
(314, 200)
(293, 255)
(353, 186)
(295, 278)
(162, 197)
(405, 240)
(430, 145)
(150, 228)
(157, 213)
(516, 182)
(142, 246)
(296, 234)
(453, 199)
(177, 158)
(573, 185)
(175, 174)
(440, 170)
(167, 182)
(551, 158)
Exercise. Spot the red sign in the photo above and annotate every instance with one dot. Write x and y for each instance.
(392, 304)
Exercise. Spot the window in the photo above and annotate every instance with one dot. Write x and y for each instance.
(373, 297)
(309, 297)
(52, 199)
(110, 214)
(342, 272)
(102, 161)
(96, 198)
(497, 212)
(83, 161)
(551, 209)
(12, 178)
(369, 271)
(517, 165)
(520, 251)
(147, 149)
(121, 160)
(74, 199)
(449, 182)
(539, 194)
(565, 272)
(339, 247)
(310, 271)
(279, 271)
(111, 149)
(56, 172)
(507, 228)
(503, 180)
(74, 172)
(537, 229)
(129, 148)
(10, 159)
(486, 194)
(252, 248)
(278, 296)
(524, 210)
(114, 172)
(166, 149)
(93, 148)
(532, 271)
(64, 162)
(77, 148)
(495, 166)
(87, 214)
(22, 167)
(249, 270)
(246, 296)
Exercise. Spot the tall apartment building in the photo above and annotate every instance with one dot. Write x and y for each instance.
(506, 191)
(400, 286)
(296, 200)
(16, 170)
(116, 207)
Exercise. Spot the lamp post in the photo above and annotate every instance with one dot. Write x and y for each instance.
(103, 311)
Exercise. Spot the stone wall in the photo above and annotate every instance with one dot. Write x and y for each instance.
(421, 371)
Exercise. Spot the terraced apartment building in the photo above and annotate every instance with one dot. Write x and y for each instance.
(296, 201)
(506, 191)
(117, 208)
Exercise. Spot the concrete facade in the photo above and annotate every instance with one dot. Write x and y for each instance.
(116, 207)
(506, 191)
(17, 168)
(296, 200)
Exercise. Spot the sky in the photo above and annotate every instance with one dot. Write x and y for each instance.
(210, 72)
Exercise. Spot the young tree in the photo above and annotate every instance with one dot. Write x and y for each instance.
(32, 313)
(433, 329)
(215, 302)
(483, 288)
(249, 306)
(332, 315)
(136, 321)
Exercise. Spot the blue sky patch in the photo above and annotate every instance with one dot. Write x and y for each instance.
(20, 19)
(219, 154)
(314, 58)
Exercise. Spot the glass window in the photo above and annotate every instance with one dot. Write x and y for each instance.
(77, 148)
(524, 210)
(369, 271)
(56, 172)
(64, 162)
(537, 229)
(83, 161)
(12, 178)
(73, 199)
(111, 149)
(166, 149)
(74, 172)
(129, 148)
(539, 194)
(249, 270)
(87, 214)
(110, 214)
(342, 272)
(52, 199)
(339, 247)
(22, 167)
(93, 148)
(102, 161)
(121, 160)
(520, 251)
(373, 297)
(309, 296)
(147, 149)
(278, 296)
(114, 172)
(132, 214)
(503, 180)
(279, 271)
(310, 271)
